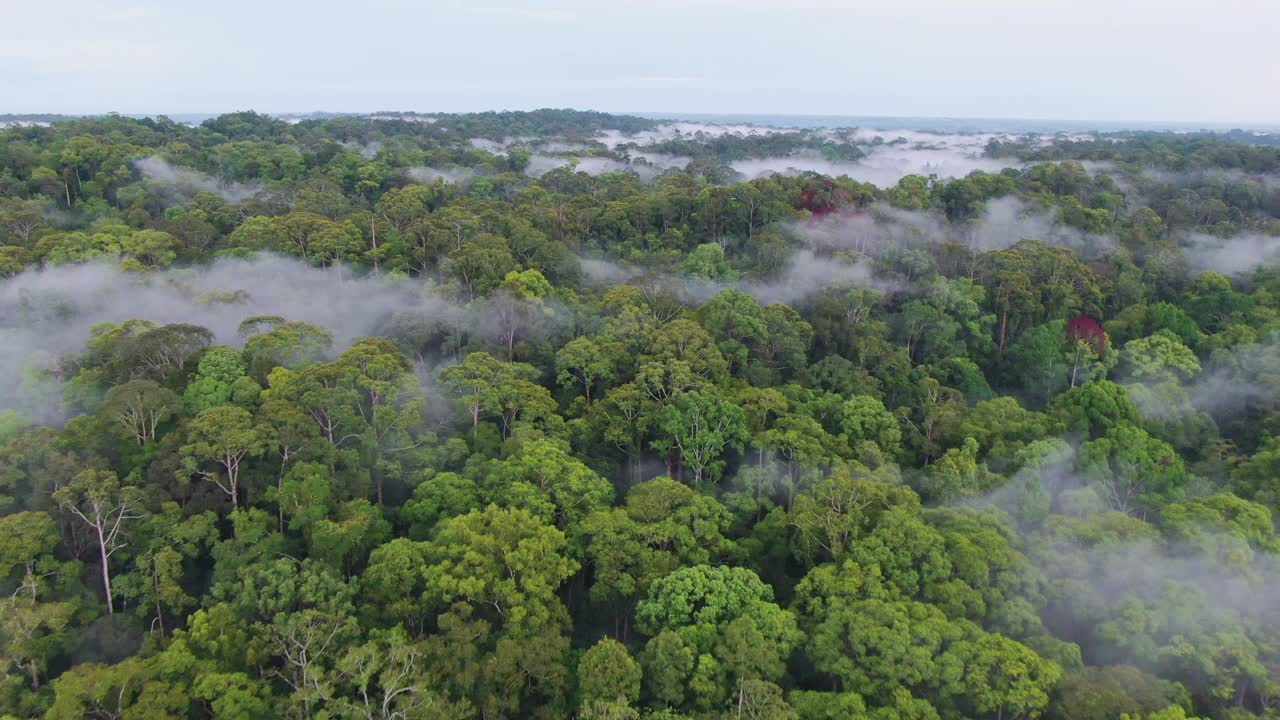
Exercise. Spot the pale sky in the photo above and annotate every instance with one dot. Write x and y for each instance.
(1152, 60)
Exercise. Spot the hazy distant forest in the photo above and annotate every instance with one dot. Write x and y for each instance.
(572, 415)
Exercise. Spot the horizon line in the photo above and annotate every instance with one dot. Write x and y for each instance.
(1270, 126)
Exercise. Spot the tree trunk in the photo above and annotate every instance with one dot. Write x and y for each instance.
(160, 618)
(1075, 366)
(106, 572)
(280, 491)
(233, 482)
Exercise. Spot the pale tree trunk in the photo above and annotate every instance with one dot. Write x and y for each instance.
(159, 610)
(106, 570)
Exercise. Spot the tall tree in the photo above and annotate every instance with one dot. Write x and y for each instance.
(98, 499)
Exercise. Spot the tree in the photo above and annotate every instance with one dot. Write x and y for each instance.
(221, 379)
(27, 541)
(784, 348)
(864, 419)
(285, 344)
(292, 433)
(1132, 468)
(100, 501)
(699, 426)
(608, 673)
(877, 648)
(164, 351)
(139, 407)
(345, 539)
(760, 700)
(663, 525)
(546, 480)
(1252, 478)
(517, 309)
(1045, 361)
(157, 579)
(799, 442)
(1094, 408)
(501, 635)
(932, 416)
(390, 678)
(624, 417)
(387, 398)
(707, 261)
(522, 401)
(685, 341)
(32, 627)
(224, 435)
(1005, 678)
(443, 496)
(582, 361)
(726, 617)
(31, 633)
(304, 616)
(1002, 428)
(504, 561)
(1101, 693)
(478, 383)
(839, 510)
(480, 263)
(958, 474)
(1173, 712)
(235, 695)
(1159, 358)
(734, 319)
(114, 692)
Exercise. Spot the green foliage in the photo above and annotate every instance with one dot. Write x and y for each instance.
(697, 428)
(634, 444)
(607, 672)
(1131, 469)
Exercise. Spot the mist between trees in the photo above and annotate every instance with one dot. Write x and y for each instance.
(557, 414)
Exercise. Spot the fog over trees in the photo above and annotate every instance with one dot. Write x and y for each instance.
(565, 414)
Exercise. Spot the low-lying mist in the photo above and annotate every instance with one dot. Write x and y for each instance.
(1004, 222)
(884, 165)
(48, 313)
(1230, 255)
(185, 182)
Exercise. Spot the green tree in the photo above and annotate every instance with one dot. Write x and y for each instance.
(502, 560)
(223, 435)
(726, 616)
(159, 574)
(546, 480)
(138, 407)
(1094, 408)
(1132, 469)
(864, 419)
(582, 362)
(107, 508)
(221, 379)
(478, 381)
(698, 426)
(1159, 357)
(607, 672)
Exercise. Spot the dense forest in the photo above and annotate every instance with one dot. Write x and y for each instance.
(571, 415)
